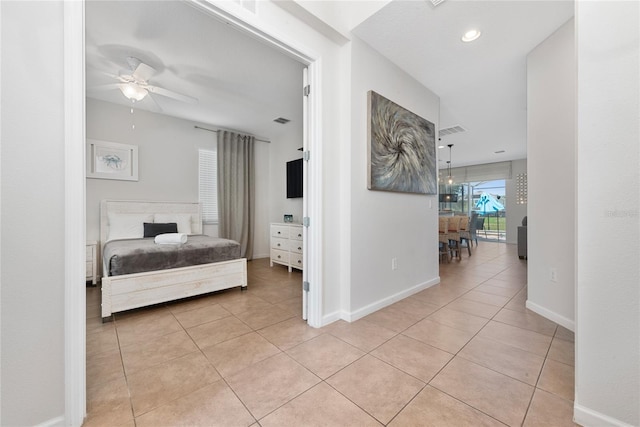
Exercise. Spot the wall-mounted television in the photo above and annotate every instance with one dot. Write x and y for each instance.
(448, 198)
(294, 179)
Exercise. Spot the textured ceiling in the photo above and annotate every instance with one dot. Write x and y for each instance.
(482, 84)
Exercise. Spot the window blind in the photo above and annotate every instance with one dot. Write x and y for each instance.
(485, 172)
(208, 185)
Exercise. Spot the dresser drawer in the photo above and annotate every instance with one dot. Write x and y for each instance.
(295, 246)
(286, 244)
(280, 256)
(296, 233)
(280, 231)
(279, 243)
(296, 261)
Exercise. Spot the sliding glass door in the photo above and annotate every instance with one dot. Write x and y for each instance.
(484, 201)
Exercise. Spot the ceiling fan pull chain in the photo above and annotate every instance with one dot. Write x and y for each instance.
(133, 122)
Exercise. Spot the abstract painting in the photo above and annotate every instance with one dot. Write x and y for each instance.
(402, 150)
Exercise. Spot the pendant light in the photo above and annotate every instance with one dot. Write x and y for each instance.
(449, 165)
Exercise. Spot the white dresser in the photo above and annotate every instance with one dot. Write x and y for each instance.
(91, 260)
(286, 245)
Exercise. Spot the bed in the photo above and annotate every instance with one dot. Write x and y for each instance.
(123, 290)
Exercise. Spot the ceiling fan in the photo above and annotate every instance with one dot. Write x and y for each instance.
(134, 84)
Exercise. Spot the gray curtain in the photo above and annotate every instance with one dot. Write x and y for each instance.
(236, 190)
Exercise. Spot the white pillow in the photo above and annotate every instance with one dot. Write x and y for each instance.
(183, 221)
(127, 226)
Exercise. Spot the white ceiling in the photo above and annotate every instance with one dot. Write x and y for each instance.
(482, 84)
(240, 83)
(243, 84)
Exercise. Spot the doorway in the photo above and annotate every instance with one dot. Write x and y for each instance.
(75, 339)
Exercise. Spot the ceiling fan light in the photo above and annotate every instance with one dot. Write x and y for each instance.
(133, 91)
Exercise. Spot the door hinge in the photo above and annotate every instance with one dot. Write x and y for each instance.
(306, 155)
(306, 221)
(306, 90)
(305, 286)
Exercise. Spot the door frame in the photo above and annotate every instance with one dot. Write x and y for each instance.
(75, 193)
(234, 15)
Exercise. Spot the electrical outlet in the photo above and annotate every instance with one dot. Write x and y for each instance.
(553, 276)
(394, 263)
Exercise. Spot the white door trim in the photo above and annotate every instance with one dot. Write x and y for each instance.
(74, 215)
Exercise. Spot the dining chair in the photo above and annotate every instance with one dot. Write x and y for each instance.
(474, 225)
(465, 233)
(443, 238)
(453, 235)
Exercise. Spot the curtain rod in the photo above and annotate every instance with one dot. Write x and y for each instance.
(218, 130)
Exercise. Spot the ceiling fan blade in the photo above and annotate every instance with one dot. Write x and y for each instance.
(143, 72)
(170, 94)
(105, 87)
(155, 103)
(93, 70)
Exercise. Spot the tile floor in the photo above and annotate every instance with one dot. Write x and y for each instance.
(464, 352)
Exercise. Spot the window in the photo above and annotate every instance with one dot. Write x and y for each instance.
(208, 185)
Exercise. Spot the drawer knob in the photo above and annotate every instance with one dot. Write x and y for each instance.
(278, 244)
(279, 257)
(299, 248)
(279, 232)
(299, 235)
(299, 262)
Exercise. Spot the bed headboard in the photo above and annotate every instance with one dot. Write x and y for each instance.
(143, 207)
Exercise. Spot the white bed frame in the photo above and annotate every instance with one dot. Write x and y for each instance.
(130, 291)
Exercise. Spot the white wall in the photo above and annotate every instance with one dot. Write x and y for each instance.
(168, 164)
(386, 225)
(608, 273)
(280, 154)
(515, 212)
(551, 144)
(32, 212)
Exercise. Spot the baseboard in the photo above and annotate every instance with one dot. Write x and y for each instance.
(587, 417)
(53, 422)
(360, 313)
(259, 256)
(331, 317)
(553, 316)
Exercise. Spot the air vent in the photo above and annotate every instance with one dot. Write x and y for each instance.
(436, 2)
(281, 120)
(451, 130)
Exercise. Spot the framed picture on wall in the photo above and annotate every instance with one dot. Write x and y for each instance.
(401, 149)
(112, 160)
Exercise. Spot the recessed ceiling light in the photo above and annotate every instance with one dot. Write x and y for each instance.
(440, 146)
(471, 35)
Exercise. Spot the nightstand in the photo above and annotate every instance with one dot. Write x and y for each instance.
(92, 262)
